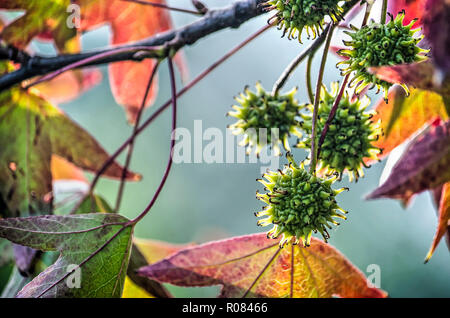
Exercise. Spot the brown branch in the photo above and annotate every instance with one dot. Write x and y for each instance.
(214, 20)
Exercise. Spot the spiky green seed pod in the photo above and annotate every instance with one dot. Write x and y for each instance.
(295, 15)
(277, 115)
(350, 135)
(298, 204)
(380, 45)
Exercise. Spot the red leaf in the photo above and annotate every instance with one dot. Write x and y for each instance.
(413, 9)
(403, 116)
(417, 75)
(436, 27)
(255, 266)
(424, 165)
(129, 22)
(444, 219)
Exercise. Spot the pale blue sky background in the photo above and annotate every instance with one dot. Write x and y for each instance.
(203, 202)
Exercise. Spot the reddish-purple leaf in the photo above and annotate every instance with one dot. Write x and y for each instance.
(424, 165)
(436, 27)
(254, 266)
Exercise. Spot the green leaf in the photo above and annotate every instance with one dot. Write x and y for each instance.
(94, 251)
(31, 130)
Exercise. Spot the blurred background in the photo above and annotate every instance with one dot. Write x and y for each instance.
(203, 202)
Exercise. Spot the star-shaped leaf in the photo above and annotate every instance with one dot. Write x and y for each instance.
(94, 251)
(46, 18)
(403, 116)
(255, 266)
(443, 219)
(423, 166)
(31, 130)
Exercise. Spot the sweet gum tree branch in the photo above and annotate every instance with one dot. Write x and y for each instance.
(171, 41)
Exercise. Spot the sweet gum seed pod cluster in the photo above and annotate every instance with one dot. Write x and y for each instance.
(380, 45)
(295, 15)
(264, 119)
(298, 204)
(350, 135)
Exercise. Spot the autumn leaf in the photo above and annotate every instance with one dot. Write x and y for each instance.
(413, 9)
(146, 252)
(129, 22)
(79, 239)
(46, 18)
(34, 130)
(436, 27)
(254, 266)
(69, 85)
(443, 219)
(403, 116)
(423, 166)
(417, 75)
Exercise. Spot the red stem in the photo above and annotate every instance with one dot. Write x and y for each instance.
(172, 144)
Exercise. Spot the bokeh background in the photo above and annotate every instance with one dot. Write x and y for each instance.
(203, 202)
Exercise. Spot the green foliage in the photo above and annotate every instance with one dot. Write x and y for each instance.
(262, 110)
(298, 203)
(98, 243)
(350, 136)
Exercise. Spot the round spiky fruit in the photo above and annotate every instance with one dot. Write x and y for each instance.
(295, 15)
(298, 204)
(378, 44)
(264, 119)
(350, 135)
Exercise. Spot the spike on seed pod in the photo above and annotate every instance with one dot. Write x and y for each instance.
(305, 204)
(378, 44)
(264, 119)
(294, 16)
(349, 142)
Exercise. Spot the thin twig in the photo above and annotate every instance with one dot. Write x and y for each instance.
(172, 144)
(231, 16)
(91, 59)
(296, 61)
(384, 12)
(309, 78)
(131, 145)
(164, 6)
(332, 114)
(312, 167)
(159, 111)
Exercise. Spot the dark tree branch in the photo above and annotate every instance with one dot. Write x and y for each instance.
(214, 20)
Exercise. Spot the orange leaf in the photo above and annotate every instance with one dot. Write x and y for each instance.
(129, 22)
(402, 116)
(69, 85)
(444, 219)
(154, 250)
(64, 170)
(254, 266)
(46, 18)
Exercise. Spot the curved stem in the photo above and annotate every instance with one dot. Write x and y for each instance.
(92, 59)
(167, 104)
(164, 6)
(172, 144)
(384, 12)
(296, 62)
(332, 114)
(312, 167)
(309, 77)
(131, 145)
